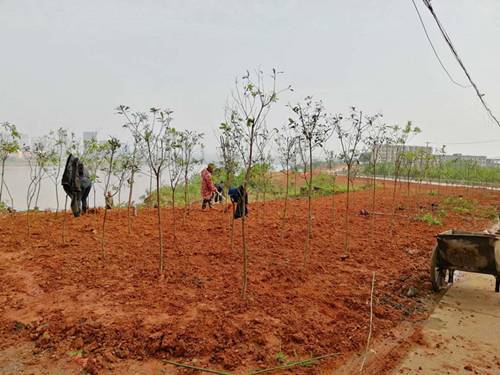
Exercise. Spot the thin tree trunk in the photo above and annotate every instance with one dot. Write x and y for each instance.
(244, 283)
(129, 203)
(57, 197)
(347, 203)
(38, 192)
(173, 219)
(64, 220)
(160, 232)
(186, 187)
(295, 183)
(232, 226)
(309, 211)
(29, 198)
(245, 254)
(10, 195)
(334, 178)
(372, 229)
(286, 193)
(3, 174)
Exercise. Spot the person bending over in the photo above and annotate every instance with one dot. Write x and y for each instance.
(207, 186)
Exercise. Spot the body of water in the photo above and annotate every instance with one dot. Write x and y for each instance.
(17, 180)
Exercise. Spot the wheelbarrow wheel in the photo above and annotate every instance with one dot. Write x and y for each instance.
(438, 275)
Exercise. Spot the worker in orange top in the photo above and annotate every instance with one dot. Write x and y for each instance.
(207, 186)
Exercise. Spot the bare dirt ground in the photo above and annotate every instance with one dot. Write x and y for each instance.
(65, 308)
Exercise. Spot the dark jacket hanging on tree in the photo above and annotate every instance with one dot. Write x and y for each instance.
(77, 184)
(240, 197)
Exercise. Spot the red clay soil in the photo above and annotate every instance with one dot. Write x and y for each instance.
(65, 297)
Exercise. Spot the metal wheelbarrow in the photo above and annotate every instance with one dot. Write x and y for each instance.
(464, 251)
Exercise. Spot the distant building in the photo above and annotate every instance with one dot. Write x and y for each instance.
(495, 162)
(389, 153)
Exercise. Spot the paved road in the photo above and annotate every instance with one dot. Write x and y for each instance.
(462, 336)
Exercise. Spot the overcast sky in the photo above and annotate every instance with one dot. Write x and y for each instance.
(70, 63)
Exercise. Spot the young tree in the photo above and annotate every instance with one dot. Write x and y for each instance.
(310, 123)
(188, 141)
(133, 121)
(330, 160)
(252, 103)
(174, 166)
(63, 143)
(9, 144)
(263, 165)
(39, 157)
(375, 139)
(112, 147)
(350, 132)
(398, 137)
(93, 158)
(229, 157)
(228, 148)
(285, 140)
(152, 132)
(441, 155)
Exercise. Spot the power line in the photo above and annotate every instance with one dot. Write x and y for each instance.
(466, 143)
(447, 38)
(434, 49)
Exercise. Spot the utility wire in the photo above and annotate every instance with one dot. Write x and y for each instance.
(447, 38)
(466, 143)
(434, 49)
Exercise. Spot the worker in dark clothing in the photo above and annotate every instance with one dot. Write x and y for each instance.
(239, 197)
(219, 194)
(77, 184)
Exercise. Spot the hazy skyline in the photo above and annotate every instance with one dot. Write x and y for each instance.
(70, 63)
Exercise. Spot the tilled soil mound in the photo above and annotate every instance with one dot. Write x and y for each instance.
(108, 306)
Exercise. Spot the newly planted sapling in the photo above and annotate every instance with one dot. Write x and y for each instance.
(174, 167)
(376, 137)
(310, 123)
(63, 143)
(399, 136)
(350, 132)
(286, 141)
(252, 103)
(229, 157)
(152, 132)
(188, 141)
(264, 161)
(93, 158)
(330, 157)
(10, 143)
(133, 121)
(228, 148)
(39, 157)
(112, 147)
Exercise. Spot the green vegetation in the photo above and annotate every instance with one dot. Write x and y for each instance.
(321, 186)
(75, 353)
(430, 168)
(281, 357)
(459, 204)
(429, 219)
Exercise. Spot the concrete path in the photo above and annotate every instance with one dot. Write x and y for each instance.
(462, 336)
